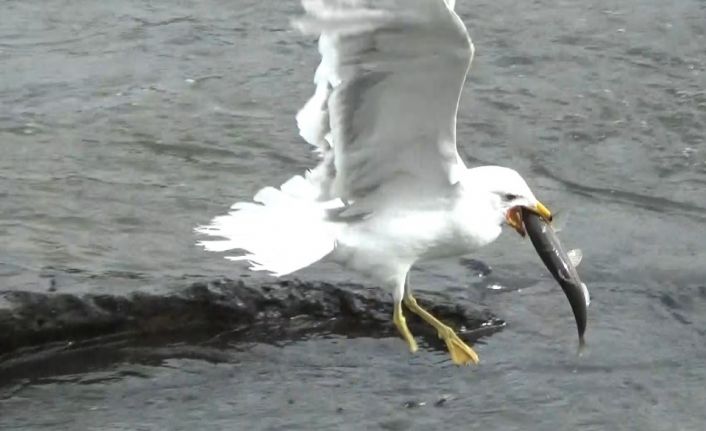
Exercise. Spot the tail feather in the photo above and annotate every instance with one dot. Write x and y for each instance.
(285, 230)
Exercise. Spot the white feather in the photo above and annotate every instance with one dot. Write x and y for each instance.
(285, 231)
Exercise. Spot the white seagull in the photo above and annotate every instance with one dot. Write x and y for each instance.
(390, 189)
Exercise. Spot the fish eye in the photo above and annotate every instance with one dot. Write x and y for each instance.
(510, 197)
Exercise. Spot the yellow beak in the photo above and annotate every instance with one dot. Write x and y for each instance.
(543, 211)
(514, 216)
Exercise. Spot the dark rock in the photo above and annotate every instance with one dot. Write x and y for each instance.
(280, 308)
(441, 402)
(479, 268)
(414, 404)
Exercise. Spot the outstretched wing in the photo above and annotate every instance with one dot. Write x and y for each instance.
(387, 91)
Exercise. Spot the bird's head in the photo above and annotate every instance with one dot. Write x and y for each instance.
(509, 193)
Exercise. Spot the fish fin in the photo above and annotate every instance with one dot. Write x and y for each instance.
(575, 256)
(586, 294)
(560, 219)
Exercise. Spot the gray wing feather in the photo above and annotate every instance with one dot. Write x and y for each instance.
(384, 112)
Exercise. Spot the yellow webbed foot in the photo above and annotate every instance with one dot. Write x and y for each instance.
(412, 344)
(461, 353)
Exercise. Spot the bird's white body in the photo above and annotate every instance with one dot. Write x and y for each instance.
(390, 189)
(386, 245)
(290, 229)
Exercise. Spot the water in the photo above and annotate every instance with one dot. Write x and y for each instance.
(123, 126)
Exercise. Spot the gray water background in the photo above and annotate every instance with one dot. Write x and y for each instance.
(124, 124)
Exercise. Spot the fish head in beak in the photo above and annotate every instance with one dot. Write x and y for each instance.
(513, 216)
(510, 195)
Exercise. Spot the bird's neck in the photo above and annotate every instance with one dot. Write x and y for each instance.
(477, 215)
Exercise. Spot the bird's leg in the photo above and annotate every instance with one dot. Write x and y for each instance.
(401, 324)
(461, 353)
(400, 321)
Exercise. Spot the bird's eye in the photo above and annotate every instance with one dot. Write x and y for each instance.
(509, 197)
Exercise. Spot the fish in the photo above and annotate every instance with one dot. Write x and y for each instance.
(561, 265)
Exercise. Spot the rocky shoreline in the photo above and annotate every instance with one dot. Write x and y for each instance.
(30, 319)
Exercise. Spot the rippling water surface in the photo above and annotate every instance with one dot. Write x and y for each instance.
(124, 124)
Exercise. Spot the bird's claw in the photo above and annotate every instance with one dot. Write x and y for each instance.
(461, 353)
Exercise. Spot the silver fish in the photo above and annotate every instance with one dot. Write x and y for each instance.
(560, 265)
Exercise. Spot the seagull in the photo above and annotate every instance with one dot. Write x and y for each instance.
(390, 189)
